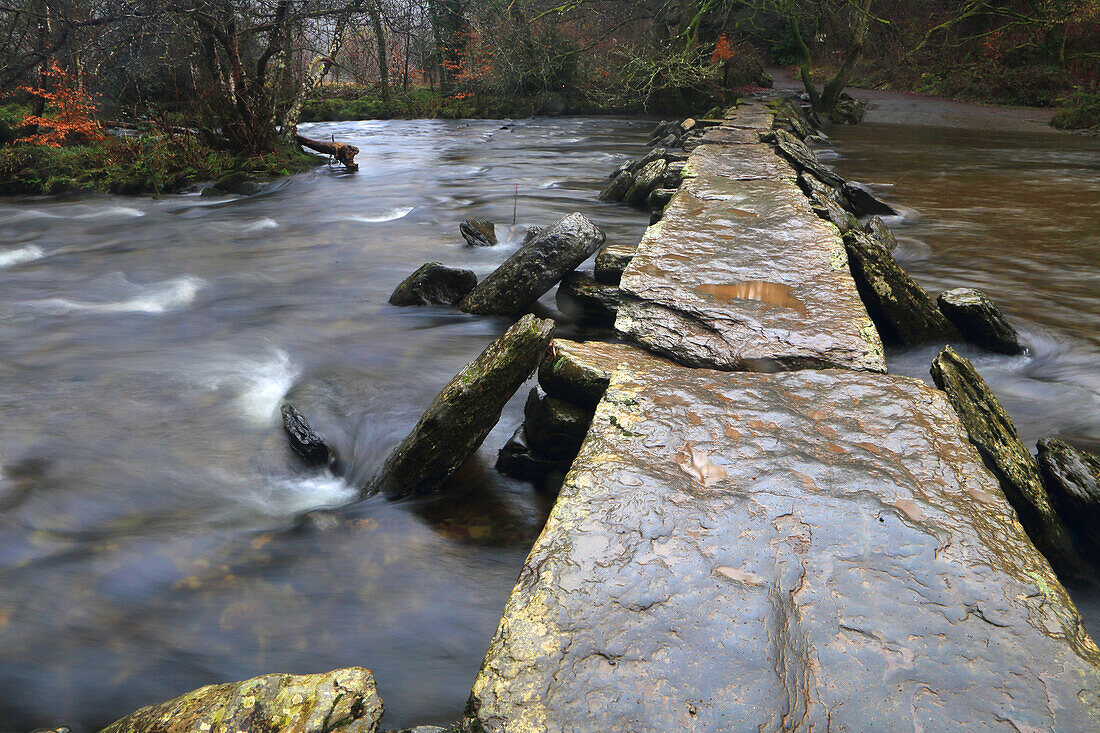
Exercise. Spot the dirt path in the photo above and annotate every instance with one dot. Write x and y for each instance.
(896, 108)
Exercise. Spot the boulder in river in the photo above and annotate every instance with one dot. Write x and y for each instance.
(829, 209)
(612, 260)
(309, 446)
(463, 413)
(598, 301)
(863, 202)
(343, 700)
(847, 111)
(1072, 480)
(478, 233)
(580, 372)
(533, 269)
(980, 320)
(878, 230)
(555, 428)
(658, 198)
(902, 311)
(803, 159)
(645, 181)
(434, 284)
(617, 187)
(991, 431)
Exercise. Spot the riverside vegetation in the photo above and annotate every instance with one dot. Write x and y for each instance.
(238, 77)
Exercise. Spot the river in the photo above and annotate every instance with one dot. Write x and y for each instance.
(152, 537)
(156, 534)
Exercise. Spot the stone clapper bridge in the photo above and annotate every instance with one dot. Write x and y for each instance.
(763, 530)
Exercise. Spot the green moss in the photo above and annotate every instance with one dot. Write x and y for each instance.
(141, 164)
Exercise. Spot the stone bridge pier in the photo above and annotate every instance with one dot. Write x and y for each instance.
(764, 531)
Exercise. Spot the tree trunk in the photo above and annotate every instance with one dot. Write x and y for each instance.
(342, 152)
(831, 93)
(804, 66)
(316, 73)
(380, 40)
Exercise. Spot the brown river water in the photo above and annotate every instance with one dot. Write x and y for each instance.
(156, 534)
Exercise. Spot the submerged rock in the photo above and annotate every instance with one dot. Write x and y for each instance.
(580, 372)
(877, 229)
(863, 202)
(309, 446)
(617, 188)
(612, 260)
(555, 428)
(598, 302)
(1072, 480)
(991, 431)
(434, 284)
(238, 183)
(979, 319)
(516, 459)
(463, 413)
(902, 311)
(535, 268)
(478, 233)
(803, 159)
(343, 700)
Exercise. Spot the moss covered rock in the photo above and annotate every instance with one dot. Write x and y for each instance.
(902, 311)
(434, 284)
(580, 372)
(991, 431)
(597, 302)
(979, 319)
(343, 700)
(535, 268)
(612, 260)
(463, 413)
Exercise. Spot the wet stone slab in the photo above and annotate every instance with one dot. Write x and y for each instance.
(741, 274)
(738, 162)
(754, 115)
(804, 550)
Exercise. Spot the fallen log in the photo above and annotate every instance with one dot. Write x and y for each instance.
(341, 152)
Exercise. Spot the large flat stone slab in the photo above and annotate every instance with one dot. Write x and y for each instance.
(741, 274)
(738, 162)
(812, 550)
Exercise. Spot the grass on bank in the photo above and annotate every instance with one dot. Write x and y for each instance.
(1080, 111)
(142, 163)
(354, 102)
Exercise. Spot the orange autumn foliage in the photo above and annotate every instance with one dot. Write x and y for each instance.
(723, 50)
(70, 108)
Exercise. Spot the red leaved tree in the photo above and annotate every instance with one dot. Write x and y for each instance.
(70, 109)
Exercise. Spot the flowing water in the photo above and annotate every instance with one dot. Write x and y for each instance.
(1017, 215)
(154, 534)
